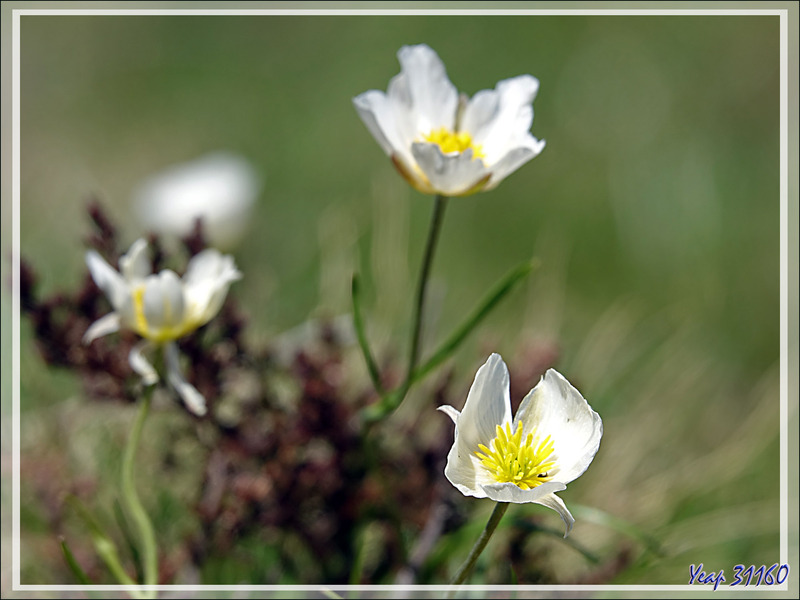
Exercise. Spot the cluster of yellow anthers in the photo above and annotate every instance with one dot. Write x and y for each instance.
(523, 464)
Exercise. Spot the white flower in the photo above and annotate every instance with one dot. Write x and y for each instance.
(219, 188)
(551, 441)
(443, 145)
(161, 308)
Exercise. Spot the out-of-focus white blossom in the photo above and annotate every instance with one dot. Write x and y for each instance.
(219, 188)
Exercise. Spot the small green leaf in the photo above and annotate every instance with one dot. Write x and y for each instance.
(79, 573)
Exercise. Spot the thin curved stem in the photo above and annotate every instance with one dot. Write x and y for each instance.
(391, 401)
(497, 514)
(430, 248)
(131, 500)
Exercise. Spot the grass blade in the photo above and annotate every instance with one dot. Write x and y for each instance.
(122, 522)
(599, 517)
(481, 312)
(76, 569)
(358, 323)
(104, 545)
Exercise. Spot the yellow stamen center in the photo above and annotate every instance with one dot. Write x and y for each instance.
(158, 334)
(524, 464)
(454, 141)
(138, 310)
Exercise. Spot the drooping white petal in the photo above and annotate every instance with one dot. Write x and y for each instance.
(497, 119)
(135, 264)
(193, 399)
(450, 174)
(206, 283)
(376, 111)
(107, 279)
(450, 412)
(510, 492)
(528, 148)
(103, 326)
(555, 408)
(557, 504)
(141, 365)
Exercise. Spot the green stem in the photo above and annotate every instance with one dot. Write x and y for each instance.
(494, 520)
(131, 500)
(390, 402)
(430, 248)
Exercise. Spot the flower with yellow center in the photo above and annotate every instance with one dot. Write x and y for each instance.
(550, 442)
(161, 307)
(445, 145)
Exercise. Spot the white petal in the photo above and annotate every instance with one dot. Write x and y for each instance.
(206, 283)
(529, 148)
(509, 492)
(419, 100)
(488, 405)
(103, 326)
(453, 174)
(557, 504)
(135, 264)
(377, 114)
(557, 409)
(163, 300)
(107, 279)
(172, 298)
(463, 471)
(193, 399)
(141, 365)
(497, 118)
(424, 88)
(450, 412)
(210, 265)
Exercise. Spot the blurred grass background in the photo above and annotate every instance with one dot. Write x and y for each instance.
(654, 210)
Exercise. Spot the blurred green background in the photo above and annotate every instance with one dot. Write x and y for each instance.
(654, 209)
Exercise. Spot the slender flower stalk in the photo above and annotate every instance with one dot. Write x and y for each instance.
(462, 573)
(130, 498)
(416, 323)
(391, 401)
